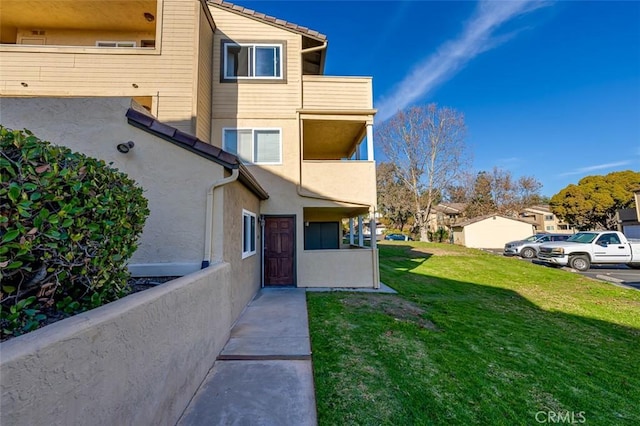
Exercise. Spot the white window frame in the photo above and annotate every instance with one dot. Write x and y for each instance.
(253, 142)
(120, 43)
(247, 253)
(280, 46)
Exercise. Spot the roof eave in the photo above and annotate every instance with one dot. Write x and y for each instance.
(270, 20)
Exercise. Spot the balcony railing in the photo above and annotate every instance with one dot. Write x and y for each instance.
(337, 93)
(351, 181)
(339, 268)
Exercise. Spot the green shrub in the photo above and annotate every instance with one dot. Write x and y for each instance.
(439, 236)
(68, 225)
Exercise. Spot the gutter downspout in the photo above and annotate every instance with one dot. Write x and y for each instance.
(208, 238)
(315, 48)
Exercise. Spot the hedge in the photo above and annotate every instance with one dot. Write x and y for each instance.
(68, 225)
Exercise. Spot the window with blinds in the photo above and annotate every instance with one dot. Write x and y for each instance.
(257, 146)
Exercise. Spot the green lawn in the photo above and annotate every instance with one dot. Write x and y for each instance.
(474, 338)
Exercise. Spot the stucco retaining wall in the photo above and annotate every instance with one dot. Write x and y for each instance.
(136, 361)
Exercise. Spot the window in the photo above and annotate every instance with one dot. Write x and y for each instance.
(116, 43)
(608, 239)
(259, 146)
(321, 235)
(548, 217)
(248, 233)
(550, 228)
(243, 61)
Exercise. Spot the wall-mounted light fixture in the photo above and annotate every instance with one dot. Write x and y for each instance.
(149, 17)
(125, 147)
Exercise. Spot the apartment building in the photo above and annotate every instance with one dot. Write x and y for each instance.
(239, 81)
(545, 221)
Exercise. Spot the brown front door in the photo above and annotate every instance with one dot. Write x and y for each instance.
(279, 249)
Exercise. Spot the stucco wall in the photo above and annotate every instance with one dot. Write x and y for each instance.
(176, 181)
(136, 361)
(338, 268)
(246, 272)
(495, 232)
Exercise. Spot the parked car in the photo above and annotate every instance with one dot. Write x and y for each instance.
(529, 247)
(591, 247)
(397, 237)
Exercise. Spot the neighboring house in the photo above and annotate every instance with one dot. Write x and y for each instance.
(545, 221)
(445, 215)
(241, 82)
(491, 231)
(629, 219)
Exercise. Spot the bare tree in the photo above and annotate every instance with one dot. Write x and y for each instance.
(426, 146)
(394, 199)
(498, 192)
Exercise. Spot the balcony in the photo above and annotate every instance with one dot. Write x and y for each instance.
(324, 93)
(349, 181)
(117, 25)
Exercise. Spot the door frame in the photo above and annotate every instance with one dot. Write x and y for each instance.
(263, 219)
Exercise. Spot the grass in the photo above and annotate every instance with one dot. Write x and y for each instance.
(474, 338)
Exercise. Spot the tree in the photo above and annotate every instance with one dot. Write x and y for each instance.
(394, 199)
(498, 192)
(481, 202)
(593, 202)
(426, 146)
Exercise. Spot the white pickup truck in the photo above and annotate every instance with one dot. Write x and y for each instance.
(588, 248)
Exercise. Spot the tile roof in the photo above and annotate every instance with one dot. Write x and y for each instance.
(140, 118)
(267, 19)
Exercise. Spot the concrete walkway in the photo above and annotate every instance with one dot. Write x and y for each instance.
(263, 375)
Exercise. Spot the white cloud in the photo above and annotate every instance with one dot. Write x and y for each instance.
(509, 162)
(596, 167)
(477, 37)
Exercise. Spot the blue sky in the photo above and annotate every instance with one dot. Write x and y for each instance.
(549, 89)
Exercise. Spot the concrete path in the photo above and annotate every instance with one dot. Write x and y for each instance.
(263, 375)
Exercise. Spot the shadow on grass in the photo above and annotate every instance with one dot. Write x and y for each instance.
(491, 356)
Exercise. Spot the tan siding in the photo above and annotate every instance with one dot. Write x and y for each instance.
(335, 93)
(205, 58)
(327, 179)
(251, 99)
(167, 72)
